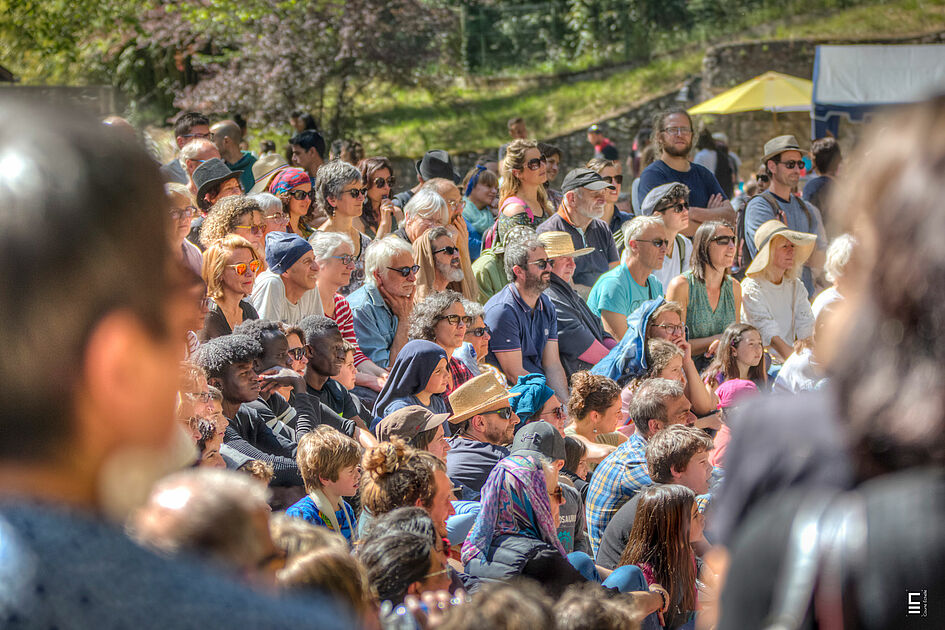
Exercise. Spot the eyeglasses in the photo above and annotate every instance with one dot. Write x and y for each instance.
(678, 208)
(558, 495)
(504, 413)
(299, 195)
(356, 193)
(449, 249)
(297, 354)
(658, 243)
(346, 259)
(455, 319)
(259, 228)
(182, 213)
(541, 263)
(405, 271)
(455, 204)
(673, 329)
(202, 397)
(536, 163)
(207, 136)
(241, 268)
(724, 241)
(615, 179)
(792, 164)
(557, 412)
(278, 216)
(763, 178)
(678, 131)
(380, 182)
(479, 332)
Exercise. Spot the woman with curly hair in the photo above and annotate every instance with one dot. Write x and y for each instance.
(441, 318)
(235, 215)
(379, 216)
(393, 475)
(293, 187)
(230, 266)
(522, 196)
(594, 412)
(339, 193)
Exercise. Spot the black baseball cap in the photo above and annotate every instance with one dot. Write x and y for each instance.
(583, 178)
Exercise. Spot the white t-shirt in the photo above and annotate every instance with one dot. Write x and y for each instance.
(777, 310)
(827, 297)
(270, 302)
(677, 263)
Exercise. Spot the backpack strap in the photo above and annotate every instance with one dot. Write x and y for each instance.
(779, 211)
(681, 248)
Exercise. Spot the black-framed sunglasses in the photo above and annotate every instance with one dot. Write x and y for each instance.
(356, 193)
(541, 263)
(679, 207)
(505, 413)
(479, 332)
(297, 354)
(656, 242)
(405, 271)
(380, 182)
(763, 178)
(725, 241)
(792, 164)
(613, 179)
(449, 249)
(455, 319)
(299, 195)
(535, 164)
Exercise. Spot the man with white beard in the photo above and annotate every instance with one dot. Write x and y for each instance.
(582, 206)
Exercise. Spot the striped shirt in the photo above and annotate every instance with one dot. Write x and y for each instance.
(345, 320)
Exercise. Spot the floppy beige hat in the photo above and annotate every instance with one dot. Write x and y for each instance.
(264, 169)
(477, 395)
(560, 244)
(778, 145)
(803, 243)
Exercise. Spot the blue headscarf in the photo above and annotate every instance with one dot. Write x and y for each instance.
(534, 393)
(627, 360)
(410, 372)
(474, 179)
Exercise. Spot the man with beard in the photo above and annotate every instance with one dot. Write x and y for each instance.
(579, 214)
(672, 135)
(522, 319)
(621, 290)
(439, 261)
(782, 159)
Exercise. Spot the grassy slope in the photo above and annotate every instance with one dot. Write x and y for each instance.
(466, 119)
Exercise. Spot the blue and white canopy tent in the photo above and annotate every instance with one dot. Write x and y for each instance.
(853, 81)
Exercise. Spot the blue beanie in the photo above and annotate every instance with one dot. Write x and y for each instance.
(534, 393)
(284, 250)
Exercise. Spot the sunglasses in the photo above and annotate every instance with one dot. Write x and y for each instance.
(299, 195)
(557, 412)
(449, 249)
(380, 182)
(259, 228)
(558, 495)
(792, 164)
(182, 213)
(725, 241)
(455, 319)
(346, 259)
(536, 163)
(656, 242)
(678, 208)
(405, 271)
(241, 268)
(297, 354)
(356, 193)
(761, 177)
(541, 263)
(616, 179)
(479, 332)
(504, 413)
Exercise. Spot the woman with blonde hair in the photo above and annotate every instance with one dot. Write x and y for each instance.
(229, 269)
(522, 196)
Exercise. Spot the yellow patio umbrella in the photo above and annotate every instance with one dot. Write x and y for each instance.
(772, 91)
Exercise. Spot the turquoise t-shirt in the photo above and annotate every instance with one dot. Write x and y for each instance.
(618, 292)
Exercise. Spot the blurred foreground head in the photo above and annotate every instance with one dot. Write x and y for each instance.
(89, 353)
(888, 357)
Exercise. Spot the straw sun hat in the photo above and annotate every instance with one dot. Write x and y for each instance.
(264, 169)
(476, 396)
(803, 245)
(560, 244)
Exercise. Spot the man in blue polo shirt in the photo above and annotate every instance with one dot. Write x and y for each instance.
(523, 321)
(579, 214)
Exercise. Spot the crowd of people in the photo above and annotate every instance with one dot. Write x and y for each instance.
(245, 392)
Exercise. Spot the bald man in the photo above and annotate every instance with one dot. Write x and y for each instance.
(227, 137)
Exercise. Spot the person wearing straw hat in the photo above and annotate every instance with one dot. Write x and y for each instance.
(774, 300)
(783, 161)
(582, 340)
(486, 422)
(582, 206)
(264, 169)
